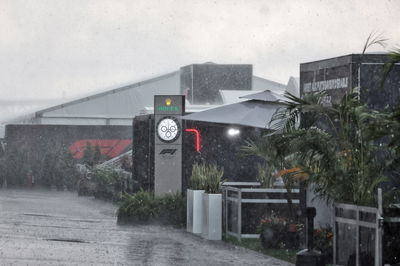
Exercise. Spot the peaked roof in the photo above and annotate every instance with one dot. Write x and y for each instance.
(252, 113)
(265, 96)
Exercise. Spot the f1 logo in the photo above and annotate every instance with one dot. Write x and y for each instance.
(168, 151)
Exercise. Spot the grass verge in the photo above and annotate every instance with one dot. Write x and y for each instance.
(288, 255)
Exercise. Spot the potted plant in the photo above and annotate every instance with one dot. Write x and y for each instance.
(323, 238)
(212, 203)
(279, 232)
(194, 197)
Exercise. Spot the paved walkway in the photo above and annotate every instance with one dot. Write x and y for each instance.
(59, 228)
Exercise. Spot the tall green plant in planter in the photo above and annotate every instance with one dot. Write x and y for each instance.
(197, 179)
(212, 203)
(213, 178)
(194, 198)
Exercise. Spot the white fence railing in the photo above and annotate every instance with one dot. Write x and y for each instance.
(234, 198)
(357, 235)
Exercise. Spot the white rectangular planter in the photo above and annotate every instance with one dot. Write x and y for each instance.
(194, 211)
(212, 216)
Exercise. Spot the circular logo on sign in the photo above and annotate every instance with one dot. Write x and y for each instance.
(168, 129)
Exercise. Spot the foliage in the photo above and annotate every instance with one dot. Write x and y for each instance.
(97, 156)
(337, 146)
(143, 208)
(14, 167)
(58, 169)
(394, 58)
(110, 182)
(265, 175)
(277, 232)
(92, 155)
(264, 149)
(206, 177)
(277, 155)
(323, 241)
(213, 175)
(66, 169)
(172, 209)
(198, 177)
(139, 208)
(88, 154)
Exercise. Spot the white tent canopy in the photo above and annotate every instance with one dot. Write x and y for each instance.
(250, 113)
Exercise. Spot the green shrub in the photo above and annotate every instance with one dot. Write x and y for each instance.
(138, 208)
(110, 182)
(172, 209)
(142, 208)
(264, 175)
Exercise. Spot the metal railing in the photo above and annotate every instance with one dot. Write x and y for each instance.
(234, 196)
(357, 235)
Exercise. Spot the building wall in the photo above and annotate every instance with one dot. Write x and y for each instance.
(340, 74)
(216, 147)
(201, 82)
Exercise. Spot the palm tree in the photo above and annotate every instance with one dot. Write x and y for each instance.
(335, 145)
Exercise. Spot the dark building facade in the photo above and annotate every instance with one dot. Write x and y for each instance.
(200, 83)
(362, 71)
(216, 147)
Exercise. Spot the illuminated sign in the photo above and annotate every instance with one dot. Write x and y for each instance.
(168, 108)
(197, 137)
(108, 147)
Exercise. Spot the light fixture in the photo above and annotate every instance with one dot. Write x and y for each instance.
(197, 137)
(233, 132)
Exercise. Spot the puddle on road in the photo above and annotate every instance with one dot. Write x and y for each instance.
(63, 218)
(37, 215)
(70, 240)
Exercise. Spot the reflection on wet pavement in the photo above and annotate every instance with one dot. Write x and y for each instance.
(59, 228)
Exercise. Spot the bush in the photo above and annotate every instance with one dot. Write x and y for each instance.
(323, 242)
(110, 183)
(279, 233)
(138, 208)
(172, 209)
(142, 208)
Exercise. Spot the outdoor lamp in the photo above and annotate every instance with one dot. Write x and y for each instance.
(233, 132)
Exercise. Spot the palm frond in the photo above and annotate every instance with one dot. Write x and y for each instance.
(394, 58)
(287, 118)
(374, 38)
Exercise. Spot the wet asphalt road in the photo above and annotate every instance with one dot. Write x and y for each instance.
(59, 228)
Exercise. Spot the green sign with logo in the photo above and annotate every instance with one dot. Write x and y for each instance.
(168, 108)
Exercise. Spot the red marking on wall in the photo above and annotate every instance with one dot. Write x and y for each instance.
(197, 137)
(108, 147)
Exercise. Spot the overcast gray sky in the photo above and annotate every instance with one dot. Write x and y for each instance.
(64, 48)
